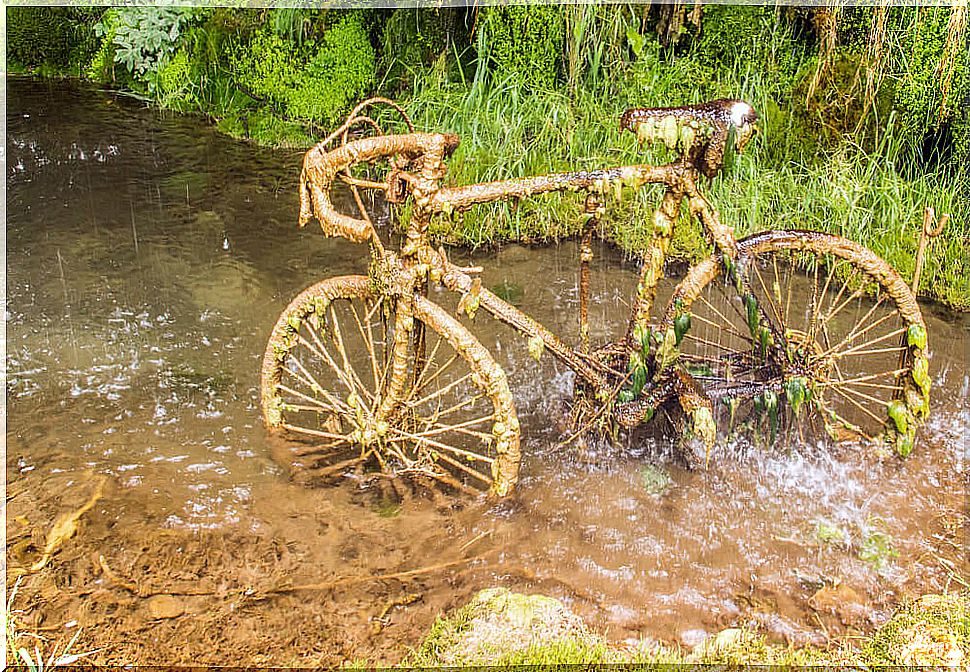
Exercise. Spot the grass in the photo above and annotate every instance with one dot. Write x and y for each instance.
(510, 131)
(32, 651)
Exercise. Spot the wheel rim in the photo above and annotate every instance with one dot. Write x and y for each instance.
(328, 375)
(842, 315)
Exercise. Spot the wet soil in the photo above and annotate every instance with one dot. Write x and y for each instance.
(148, 258)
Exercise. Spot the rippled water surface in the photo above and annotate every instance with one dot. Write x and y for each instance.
(148, 258)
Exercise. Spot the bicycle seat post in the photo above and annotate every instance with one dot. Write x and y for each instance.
(591, 216)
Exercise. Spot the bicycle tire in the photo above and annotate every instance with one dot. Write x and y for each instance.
(323, 374)
(877, 388)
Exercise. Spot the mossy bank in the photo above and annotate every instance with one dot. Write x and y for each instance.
(502, 628)
(865, 110)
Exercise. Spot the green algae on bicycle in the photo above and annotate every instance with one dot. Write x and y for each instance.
(778, 331)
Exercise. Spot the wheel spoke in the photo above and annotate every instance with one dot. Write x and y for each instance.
(442, 390)
(369, 344)
(312, 432)
(862, 379)
(419, 382)
(716, 326)
(335, 404)
(440, 428)
(854, 334)
(443, 446)
(855, 295)
(459, 406)
(322, 353)
(340, 466)
(855, 403)
(349, 371)
(771, 301)
(862, 346)
(440, 370)
(817, 309)
(332, 448)
(689, 336)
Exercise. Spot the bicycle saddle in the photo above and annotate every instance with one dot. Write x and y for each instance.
(700, 132)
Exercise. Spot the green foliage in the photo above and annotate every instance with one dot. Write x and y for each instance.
(747, 37)
(525, 41)
(101, 66)
(267, 66)
(928, 69)
(318, 85)
(60, 38)
(340, 73)
(146, 37)
(174, 79)
(292, 24)
(414, 39)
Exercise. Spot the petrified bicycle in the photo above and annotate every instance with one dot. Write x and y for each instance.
(366, 376)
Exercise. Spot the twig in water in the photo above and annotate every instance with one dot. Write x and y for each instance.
(354, 580)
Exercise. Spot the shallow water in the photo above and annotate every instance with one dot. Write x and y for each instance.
(147, 259)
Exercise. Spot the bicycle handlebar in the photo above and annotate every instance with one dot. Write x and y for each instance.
(702, 132)
(320, 168)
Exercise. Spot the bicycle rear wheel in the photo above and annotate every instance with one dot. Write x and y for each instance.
(326, 372)
(854, 340)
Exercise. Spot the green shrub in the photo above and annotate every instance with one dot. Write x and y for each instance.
(57, 37)
(524, 41)
(340, 72)
(412, 39)
(267, 66)
(924, 74)
(146, 37)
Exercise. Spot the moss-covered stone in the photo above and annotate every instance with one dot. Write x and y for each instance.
(499, 627)
(933, 630)
(498, 623)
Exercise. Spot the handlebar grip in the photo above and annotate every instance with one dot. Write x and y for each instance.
(320, 168)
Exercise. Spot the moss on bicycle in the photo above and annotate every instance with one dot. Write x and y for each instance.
(786, 359)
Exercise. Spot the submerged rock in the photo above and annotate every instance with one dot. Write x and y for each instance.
(498, 622)
(165, 606)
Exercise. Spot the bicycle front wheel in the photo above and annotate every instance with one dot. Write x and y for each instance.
(325, 375)
(854, 340)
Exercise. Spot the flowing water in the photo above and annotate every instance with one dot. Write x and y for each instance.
(147, 259)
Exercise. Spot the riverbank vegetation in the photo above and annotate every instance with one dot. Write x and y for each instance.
(506, 629)
(865, 110)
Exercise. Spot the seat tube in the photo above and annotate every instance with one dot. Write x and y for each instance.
(591, 216)
(664, 218)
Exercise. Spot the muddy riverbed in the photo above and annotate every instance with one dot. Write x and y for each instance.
(147, 259)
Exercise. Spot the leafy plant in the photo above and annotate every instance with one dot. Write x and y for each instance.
(877, 545)
(526, 41)
(340, 72)
(145, 38)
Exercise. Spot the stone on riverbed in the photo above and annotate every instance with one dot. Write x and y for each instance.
(498, 622)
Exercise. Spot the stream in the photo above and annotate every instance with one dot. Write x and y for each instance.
(148, 257)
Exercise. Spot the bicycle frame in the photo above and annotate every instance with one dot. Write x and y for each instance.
(620, 383)
(403, 274)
